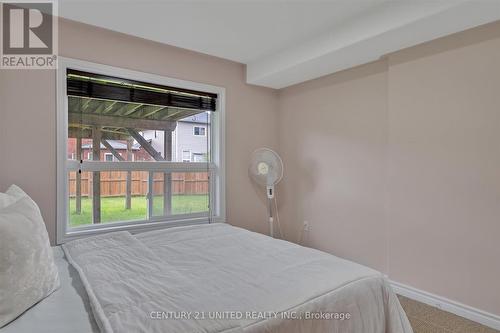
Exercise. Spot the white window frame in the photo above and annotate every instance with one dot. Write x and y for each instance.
(216, 168)
(109, 154)
(193, 155)
(185, 160)
(204, 127)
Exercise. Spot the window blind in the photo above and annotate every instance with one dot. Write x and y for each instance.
(84, 84)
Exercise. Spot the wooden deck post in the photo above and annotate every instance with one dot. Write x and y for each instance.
(156, 155)
(96, 175)
(128, 199)
(167, 177)
(116, 154)
(78, 198)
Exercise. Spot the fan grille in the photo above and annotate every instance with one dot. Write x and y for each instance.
(261, 158)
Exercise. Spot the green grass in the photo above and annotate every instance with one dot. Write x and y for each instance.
(113, 208)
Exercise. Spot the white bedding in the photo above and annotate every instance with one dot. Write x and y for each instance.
(137, 282)
(65, 310)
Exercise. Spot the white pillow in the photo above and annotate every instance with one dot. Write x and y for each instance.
(27, 270)
(12, 195)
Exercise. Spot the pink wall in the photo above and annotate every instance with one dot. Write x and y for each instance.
(28, 125)
(444, 167)
(332, 139)
(396, 164)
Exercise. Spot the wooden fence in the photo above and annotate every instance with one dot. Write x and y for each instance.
(114, 183)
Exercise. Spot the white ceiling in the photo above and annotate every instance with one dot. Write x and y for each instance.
(242, 31)
(286, 42)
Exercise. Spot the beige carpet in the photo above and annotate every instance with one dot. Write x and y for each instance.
(427, 319)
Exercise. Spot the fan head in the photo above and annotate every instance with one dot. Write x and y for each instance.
(266, 167)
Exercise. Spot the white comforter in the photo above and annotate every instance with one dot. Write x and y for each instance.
(219, 278)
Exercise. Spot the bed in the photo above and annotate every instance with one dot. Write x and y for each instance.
(211, 278)
(66, 310)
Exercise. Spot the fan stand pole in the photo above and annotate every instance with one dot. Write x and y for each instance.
(271, 219)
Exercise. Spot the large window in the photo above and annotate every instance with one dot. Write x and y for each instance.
(127, 155)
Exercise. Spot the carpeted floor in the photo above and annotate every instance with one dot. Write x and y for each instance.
(427, 319)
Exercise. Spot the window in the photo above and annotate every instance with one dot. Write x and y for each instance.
(186, 156)
(199, 157)
(127, 120)
(199, 131)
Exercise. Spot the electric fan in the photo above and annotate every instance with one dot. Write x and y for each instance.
(266, 168)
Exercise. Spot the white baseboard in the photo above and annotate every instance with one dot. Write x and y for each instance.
(462, 310)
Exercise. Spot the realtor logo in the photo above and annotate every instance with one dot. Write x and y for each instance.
(29, 34)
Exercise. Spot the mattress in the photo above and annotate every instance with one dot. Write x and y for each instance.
(219, 278)
(66, 310)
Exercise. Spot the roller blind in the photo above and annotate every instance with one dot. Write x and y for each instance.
(84, 84)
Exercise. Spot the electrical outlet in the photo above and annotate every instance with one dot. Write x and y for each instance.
(307, 226)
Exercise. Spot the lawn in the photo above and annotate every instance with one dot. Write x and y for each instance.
(113, 208)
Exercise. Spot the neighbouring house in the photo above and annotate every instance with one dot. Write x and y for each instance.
(189, 143)
(120, 146)
(138, 153)
(190, 140)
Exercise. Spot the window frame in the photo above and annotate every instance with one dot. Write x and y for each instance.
(216, 167)
(200, 127)
(113, 158)
(185, 160)
(193, 157)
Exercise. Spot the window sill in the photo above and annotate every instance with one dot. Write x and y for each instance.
(134, 227)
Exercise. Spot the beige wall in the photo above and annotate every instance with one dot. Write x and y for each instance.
(332, 139)
(444, 148)
(396, 164)
(28, 115)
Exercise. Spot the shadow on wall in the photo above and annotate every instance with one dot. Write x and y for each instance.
(332, 137)
(296, 191)
(306, 184)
